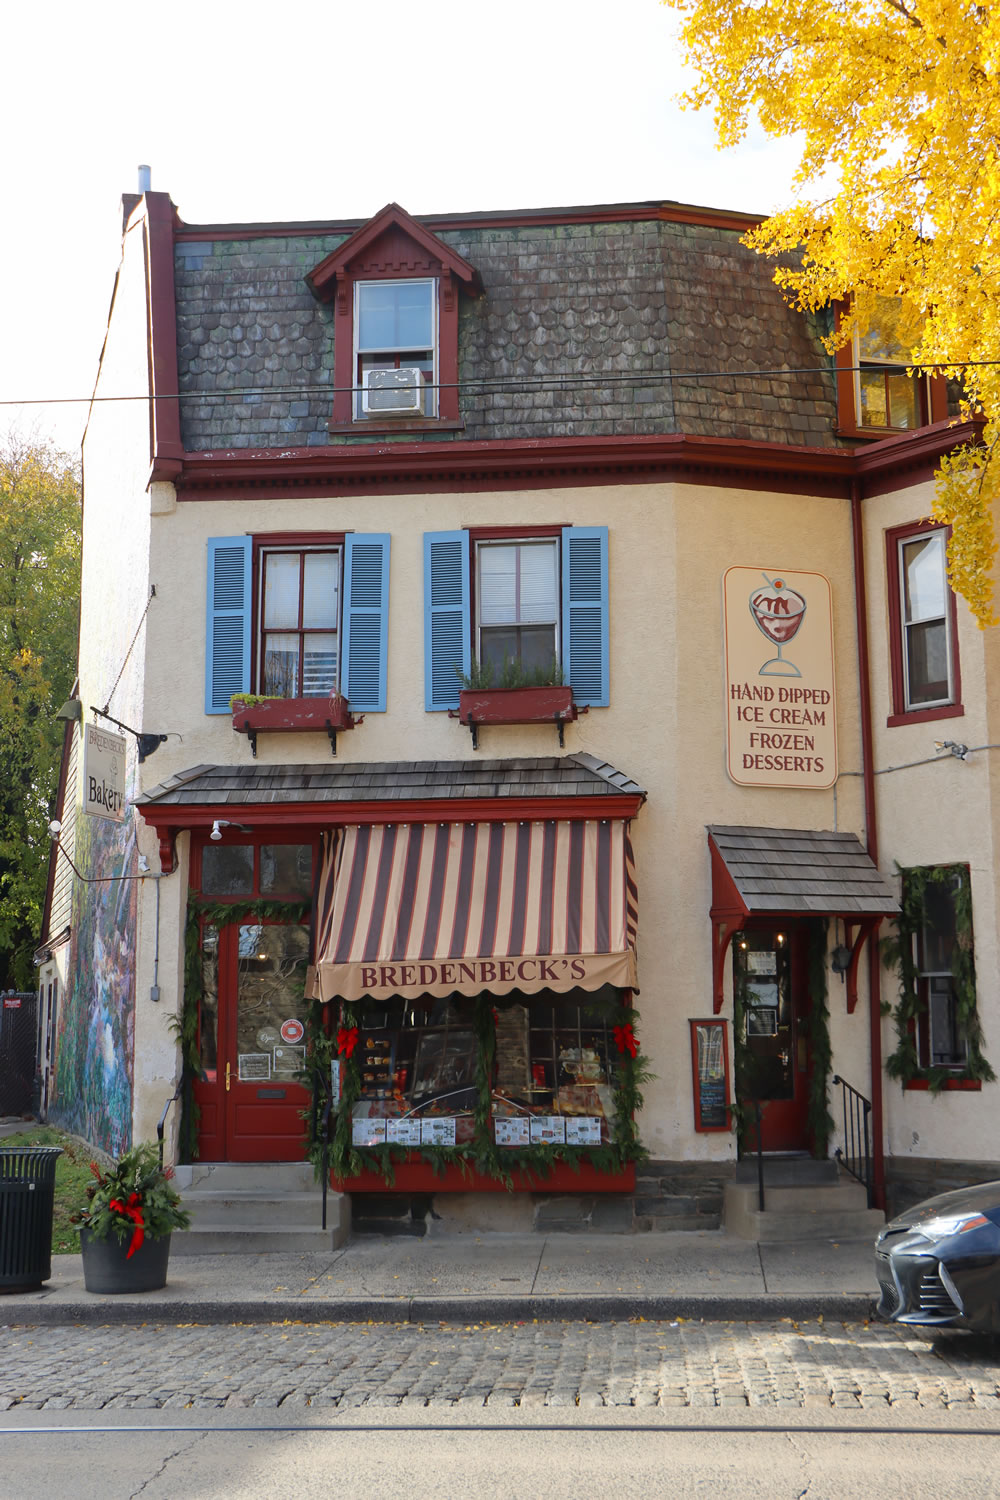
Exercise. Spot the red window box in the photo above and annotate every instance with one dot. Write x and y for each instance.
(950, 1085)
(294, 715)
(419, 1176)
(521, 705)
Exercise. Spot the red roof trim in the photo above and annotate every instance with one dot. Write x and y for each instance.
(323, 277)
(166, 450)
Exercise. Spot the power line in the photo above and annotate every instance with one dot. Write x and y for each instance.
(490, 385)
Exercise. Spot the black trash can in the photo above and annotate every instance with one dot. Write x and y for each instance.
(27, 1196)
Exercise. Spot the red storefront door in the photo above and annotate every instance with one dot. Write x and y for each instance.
(253, 1042)
(770, 964)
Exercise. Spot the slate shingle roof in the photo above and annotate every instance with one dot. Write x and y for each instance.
(803, 870)
(227, 786)
(625, 304)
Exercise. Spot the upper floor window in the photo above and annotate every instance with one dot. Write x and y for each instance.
(297, 617)
(299, 612)
(395, 330)
(885, 396)
(517, 593)
(922, 624)
(875, 395)
(531, 598)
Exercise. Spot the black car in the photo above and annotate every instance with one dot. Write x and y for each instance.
(939, 1263)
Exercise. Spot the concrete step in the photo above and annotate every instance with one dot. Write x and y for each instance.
(837, 1210)
(246, 1177)
(767, 1228)
(788, 1171)
(301, 1239)
(258, 1207)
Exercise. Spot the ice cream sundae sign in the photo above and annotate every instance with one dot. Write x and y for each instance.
(780, 699)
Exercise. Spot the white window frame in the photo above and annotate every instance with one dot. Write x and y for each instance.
(431, 386)
(520, 541)
(289, 548)
(904, 627)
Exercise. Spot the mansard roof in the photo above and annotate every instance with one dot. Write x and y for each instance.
(386, 237)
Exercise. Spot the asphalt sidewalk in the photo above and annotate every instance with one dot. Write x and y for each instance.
(486, 1277)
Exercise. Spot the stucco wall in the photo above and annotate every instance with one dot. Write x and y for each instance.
(938, 813)
(669, 547)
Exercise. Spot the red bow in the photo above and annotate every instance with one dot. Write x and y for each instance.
(132, 1211)
(347, 1040)
(625, 1039)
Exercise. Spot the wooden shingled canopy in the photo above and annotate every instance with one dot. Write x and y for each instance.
(794, 872)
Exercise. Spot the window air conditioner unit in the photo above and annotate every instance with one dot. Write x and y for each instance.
(393, 393)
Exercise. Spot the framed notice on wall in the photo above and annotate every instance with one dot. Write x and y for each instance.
(710, 1074)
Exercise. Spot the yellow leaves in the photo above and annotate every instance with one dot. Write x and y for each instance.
(897, 105)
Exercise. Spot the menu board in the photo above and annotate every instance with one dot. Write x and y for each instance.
(512, 1131)
(547, 1130)
(710, 1069)
(583, 1130)
(403, 1132)
(367, 1132)
(439, 1130)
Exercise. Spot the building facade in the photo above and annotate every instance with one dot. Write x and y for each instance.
(537, 652)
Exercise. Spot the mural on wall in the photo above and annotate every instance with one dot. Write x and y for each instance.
(95, 1052)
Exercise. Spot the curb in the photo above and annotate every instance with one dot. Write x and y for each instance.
(838, 1307)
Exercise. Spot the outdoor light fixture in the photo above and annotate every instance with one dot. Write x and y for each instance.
(779, 938)
(221, 823)
(840, 959)
(959, 751)
(72, 710)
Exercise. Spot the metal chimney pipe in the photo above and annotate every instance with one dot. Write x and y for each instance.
(145, 179)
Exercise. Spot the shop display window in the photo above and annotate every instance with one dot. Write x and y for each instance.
(553, 1080)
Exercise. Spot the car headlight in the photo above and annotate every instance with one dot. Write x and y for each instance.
(945, 1224)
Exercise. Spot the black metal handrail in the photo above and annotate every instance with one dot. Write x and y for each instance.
(328, 1107)
(163, 1118)
(855, 1156)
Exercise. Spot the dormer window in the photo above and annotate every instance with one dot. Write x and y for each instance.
(885, 396)
(395, 288)
(395, 329)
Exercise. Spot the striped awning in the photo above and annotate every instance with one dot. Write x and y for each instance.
(438, 908)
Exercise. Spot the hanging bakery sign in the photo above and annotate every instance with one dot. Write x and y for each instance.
(104, 766)
(780, 695)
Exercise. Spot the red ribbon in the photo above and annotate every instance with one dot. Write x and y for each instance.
(132, 1211)
(347, 1040)
(625, 1039)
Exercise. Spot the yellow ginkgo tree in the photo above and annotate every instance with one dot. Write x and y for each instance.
(897, 193)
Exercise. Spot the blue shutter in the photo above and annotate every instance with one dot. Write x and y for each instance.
(585, 614)
(366, 622)
(227, 638)
(447, 632)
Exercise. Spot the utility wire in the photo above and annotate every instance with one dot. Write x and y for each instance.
(489, 385)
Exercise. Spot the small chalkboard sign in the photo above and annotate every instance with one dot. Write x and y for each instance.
(710, 1074)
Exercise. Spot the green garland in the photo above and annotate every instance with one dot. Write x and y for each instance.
(185, 1024)
(481, 1155)
(897, 952)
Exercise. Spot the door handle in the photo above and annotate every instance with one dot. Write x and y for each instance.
(228, 1065)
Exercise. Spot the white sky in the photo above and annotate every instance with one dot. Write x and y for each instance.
(299, 109)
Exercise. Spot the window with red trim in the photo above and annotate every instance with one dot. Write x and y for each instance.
(923, 621)
(298, 592)
(875, 395)
(941, 1036)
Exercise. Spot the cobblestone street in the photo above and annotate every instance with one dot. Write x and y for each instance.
(777, 1365)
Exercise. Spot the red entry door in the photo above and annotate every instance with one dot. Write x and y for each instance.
(253, 1041)
(770, 964)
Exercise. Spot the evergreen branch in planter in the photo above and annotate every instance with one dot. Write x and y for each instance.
(484, 675)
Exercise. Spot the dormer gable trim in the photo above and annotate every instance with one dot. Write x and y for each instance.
(361, 254)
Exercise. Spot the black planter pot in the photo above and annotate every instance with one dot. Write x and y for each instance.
(106, 1267)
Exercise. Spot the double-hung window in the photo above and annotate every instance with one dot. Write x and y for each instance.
(886, 398)
(922, 623)
(517, 602)
(297, 617)
(517, 597)
(299, 612)
(395, 334)
(939, 966)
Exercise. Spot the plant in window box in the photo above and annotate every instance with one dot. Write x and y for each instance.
(253, 714)
(132, 1208)
(515, 694)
